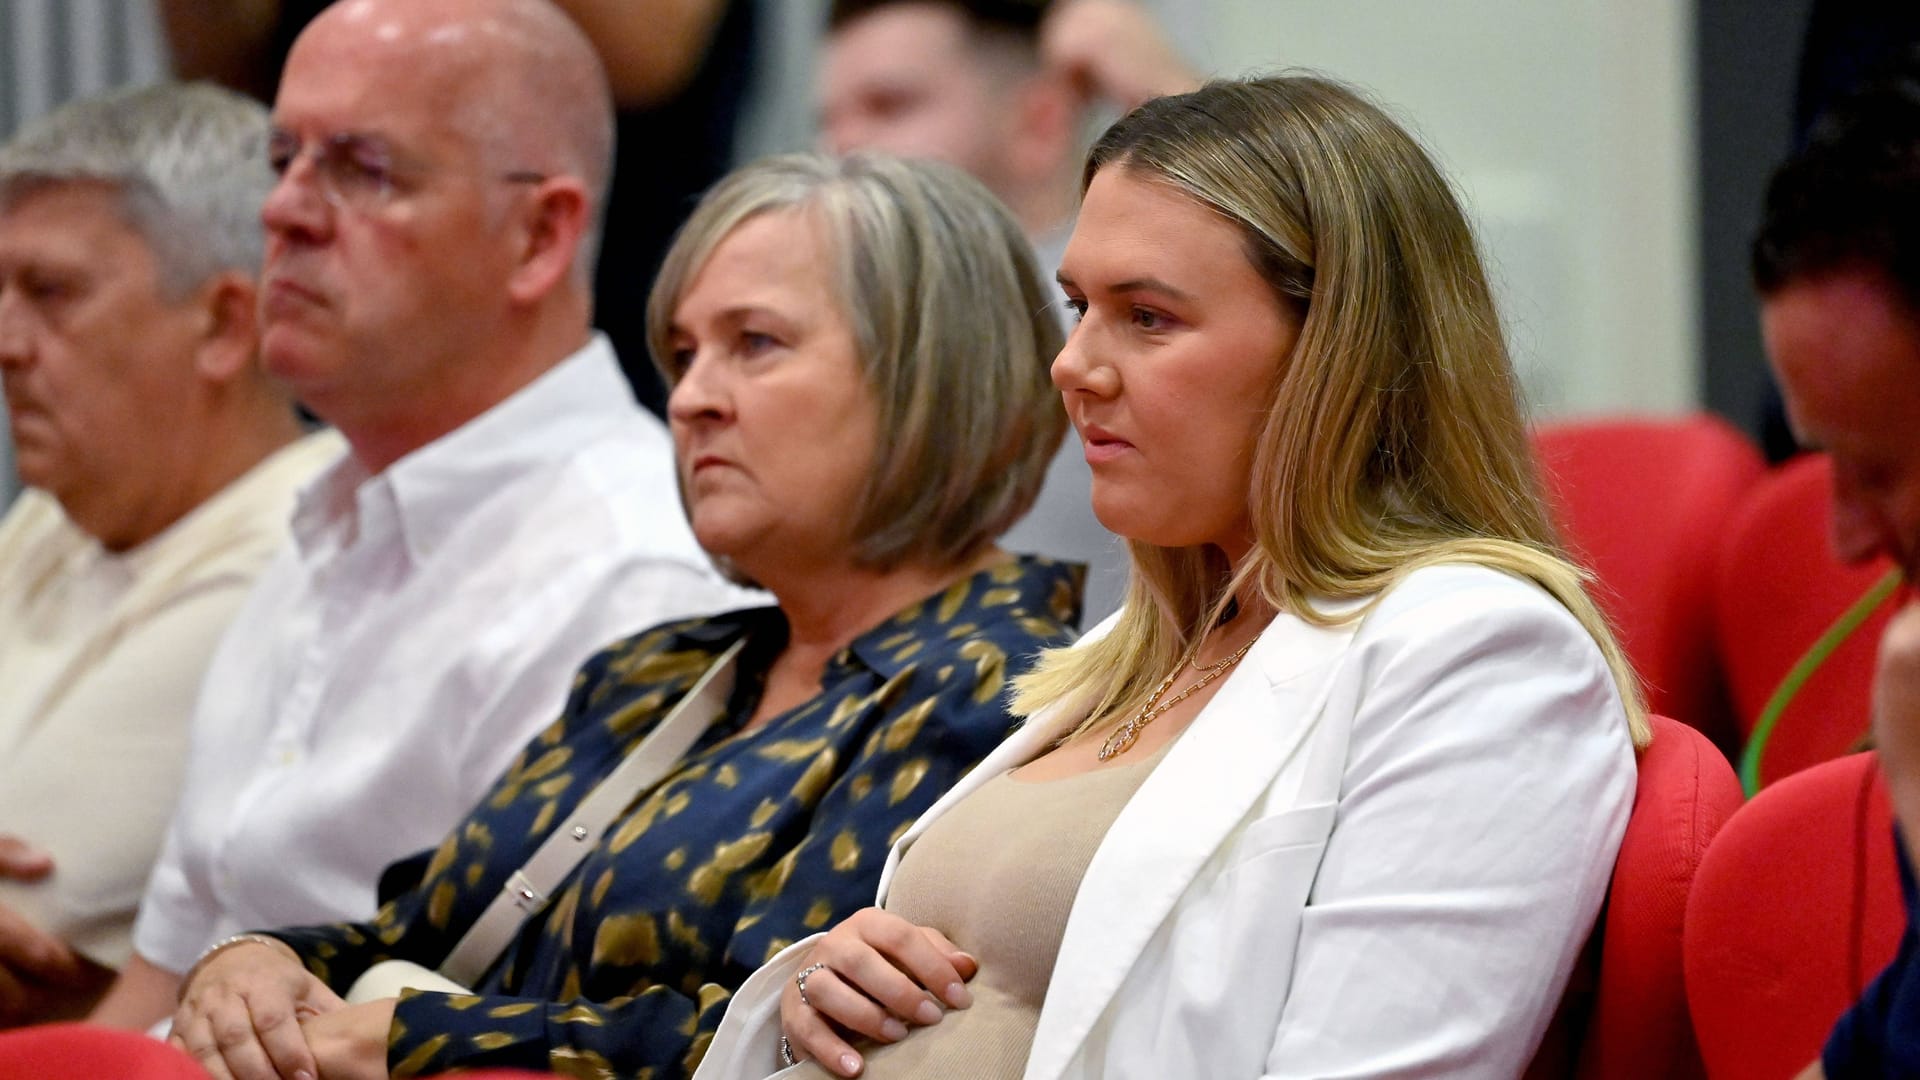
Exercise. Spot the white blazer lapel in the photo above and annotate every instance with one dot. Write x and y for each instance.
(1220, 767)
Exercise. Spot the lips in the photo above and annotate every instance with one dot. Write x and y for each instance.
(702, 468)
(285, 297)
(19, 406)
(1101, 445)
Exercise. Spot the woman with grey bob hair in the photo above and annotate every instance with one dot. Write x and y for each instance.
(858, 353)
(952, 325)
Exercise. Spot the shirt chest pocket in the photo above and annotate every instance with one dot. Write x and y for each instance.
(1302, 826)
(1238, 928)
(1260, 880)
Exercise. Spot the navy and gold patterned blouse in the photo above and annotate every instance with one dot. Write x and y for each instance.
(757, 839)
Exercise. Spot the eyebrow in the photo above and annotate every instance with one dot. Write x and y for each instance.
(1139, 284)
(735, 315)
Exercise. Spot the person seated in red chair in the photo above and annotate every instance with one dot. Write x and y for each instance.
(1339, 789)
(1837, 266)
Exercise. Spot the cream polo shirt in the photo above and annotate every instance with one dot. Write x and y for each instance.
(424, 624)
(101, 656)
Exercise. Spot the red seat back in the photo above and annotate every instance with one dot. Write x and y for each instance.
(1779, 587)
(84, 1052)
(1625, 1016)
(1643, 504)
(1796, 908)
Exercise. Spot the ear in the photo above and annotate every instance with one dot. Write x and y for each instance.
(230, 338)
(1045, 128)
(551, 226)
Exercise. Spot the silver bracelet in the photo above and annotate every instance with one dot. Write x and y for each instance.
(221, 946)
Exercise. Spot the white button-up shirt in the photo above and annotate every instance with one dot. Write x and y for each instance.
(425, 623)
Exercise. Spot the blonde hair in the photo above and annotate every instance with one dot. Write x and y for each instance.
(1395, 438)
(953, 324)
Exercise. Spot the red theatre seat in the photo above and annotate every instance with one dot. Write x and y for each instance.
(82, 1052)
(1796, 908)
(85, 1052)
(1643, 503)
(1779, 587)
(1627, 1019)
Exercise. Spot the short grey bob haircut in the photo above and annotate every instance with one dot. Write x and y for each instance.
(189, 162)
(954, 327)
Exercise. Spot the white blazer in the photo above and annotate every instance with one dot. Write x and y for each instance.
(1376, 852)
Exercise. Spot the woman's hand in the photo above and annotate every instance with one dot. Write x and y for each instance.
(351, 1043)
(880, 973)
(240, 1014)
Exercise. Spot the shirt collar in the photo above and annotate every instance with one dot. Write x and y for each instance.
(426, 494)
(1026, 584)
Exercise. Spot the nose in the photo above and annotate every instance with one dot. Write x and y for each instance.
(16, 342)
(296, 206)
(699, 394)
(838, 135)
(1078, 371)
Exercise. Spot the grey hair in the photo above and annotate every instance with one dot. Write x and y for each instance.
(953, 325)
(188, 161)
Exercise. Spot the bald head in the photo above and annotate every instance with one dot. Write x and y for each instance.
(430, 242)
(516, 77)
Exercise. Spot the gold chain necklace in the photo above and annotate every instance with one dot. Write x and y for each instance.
(1124, 737)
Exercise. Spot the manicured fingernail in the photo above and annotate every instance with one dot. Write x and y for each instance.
(927, 1013)
(850, 1064)
(892, 1030)
(957, 995)
(302, 1074)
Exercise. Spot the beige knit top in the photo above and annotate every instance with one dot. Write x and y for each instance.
(997, 874)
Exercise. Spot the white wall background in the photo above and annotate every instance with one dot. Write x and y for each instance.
(1569, 128)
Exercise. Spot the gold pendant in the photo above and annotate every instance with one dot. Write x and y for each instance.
(1120, 741)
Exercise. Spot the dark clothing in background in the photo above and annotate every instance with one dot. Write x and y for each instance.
(1879, 1037)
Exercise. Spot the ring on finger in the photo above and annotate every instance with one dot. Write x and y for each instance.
(800, 981)
(786, 1053)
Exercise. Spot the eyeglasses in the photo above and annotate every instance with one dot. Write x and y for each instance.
(354, 171)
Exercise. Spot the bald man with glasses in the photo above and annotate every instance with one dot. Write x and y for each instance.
(505, 508)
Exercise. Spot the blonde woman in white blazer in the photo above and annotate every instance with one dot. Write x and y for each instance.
(1338, 792)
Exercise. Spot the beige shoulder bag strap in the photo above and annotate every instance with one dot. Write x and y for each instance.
(527, 890)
